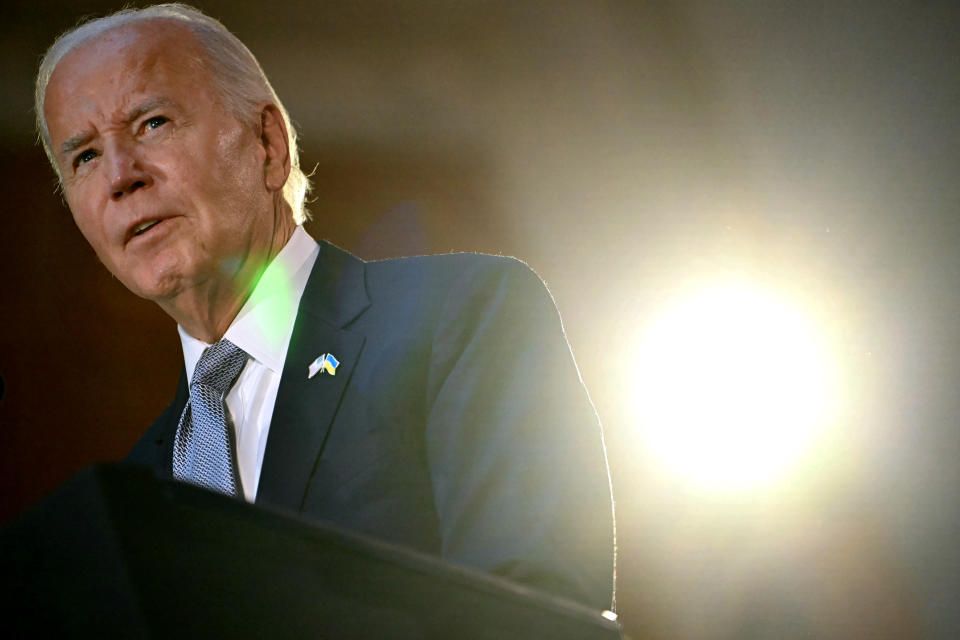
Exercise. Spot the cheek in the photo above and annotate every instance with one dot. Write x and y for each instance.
(238, 183)
(238, 149)
(226, 171)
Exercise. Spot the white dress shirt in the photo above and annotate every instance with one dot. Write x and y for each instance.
(262, 329)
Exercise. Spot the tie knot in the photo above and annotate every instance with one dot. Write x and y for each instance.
(219, 365)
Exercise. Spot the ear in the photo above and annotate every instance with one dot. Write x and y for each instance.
(273, 137)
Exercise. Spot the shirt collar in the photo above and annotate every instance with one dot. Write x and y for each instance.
(265, 322)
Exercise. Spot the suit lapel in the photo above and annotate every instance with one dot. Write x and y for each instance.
(335, 294)
(165, 430)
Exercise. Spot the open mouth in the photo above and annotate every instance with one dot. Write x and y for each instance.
(142, 228)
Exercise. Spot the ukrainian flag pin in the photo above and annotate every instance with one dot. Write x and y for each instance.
(327, 362)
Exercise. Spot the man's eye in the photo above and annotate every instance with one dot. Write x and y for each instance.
(85, 156)
(155, 122)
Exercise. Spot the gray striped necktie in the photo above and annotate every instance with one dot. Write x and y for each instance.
(204, 452)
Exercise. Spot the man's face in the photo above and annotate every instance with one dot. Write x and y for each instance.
(165, 184)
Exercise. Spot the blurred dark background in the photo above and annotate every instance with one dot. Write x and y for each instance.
(619, 147)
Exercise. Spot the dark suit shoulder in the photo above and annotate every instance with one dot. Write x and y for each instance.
(448, 263)
(448, 274)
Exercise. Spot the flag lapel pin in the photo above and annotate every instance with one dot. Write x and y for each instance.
(325, 363)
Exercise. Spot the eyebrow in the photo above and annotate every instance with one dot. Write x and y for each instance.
(72, 144)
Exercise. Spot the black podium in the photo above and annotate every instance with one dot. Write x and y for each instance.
(117, 553)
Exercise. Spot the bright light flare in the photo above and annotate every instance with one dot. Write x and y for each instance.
(733, 386)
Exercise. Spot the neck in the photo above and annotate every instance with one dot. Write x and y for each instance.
(206, 311)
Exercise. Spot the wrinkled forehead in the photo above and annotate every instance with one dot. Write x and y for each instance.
(117, 52)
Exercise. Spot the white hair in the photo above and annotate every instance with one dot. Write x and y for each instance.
(237, 75)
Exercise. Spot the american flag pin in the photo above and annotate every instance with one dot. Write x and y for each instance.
(326, 363)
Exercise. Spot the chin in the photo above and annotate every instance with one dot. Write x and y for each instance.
(156, 291)
(162, 278)
(156, 285)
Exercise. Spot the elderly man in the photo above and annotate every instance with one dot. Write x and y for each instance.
(431, 401)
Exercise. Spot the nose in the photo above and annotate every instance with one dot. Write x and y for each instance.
(125, 171)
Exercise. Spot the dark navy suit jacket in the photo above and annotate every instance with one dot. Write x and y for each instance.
(456, 423)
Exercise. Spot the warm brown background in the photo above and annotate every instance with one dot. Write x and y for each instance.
(619, 147)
